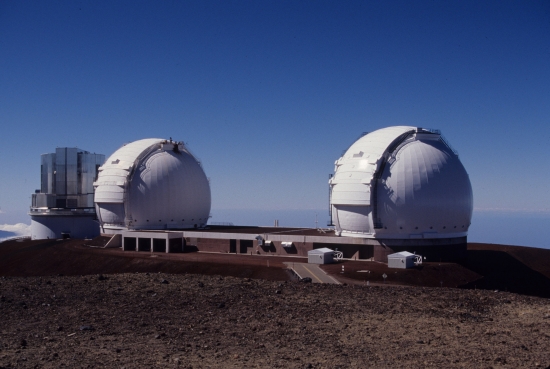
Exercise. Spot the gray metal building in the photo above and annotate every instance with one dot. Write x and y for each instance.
(64, 205)
(323, 255)
(401, 260)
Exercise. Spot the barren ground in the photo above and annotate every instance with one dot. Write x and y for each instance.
(178, 318)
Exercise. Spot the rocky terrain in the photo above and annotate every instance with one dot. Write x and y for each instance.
(144, 319)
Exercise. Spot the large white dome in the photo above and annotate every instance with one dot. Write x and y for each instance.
(152, 184)
(401, 183)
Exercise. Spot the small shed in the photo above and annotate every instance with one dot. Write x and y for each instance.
(401, 260)
(320, 256)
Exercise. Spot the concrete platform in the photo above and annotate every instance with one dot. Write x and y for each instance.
(312, 271)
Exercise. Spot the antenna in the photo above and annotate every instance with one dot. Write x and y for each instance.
(316, 221)
(330, 223)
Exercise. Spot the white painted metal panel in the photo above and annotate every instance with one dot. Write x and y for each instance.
(169, 188)
(427, 190)
(351, 194)
(109, 193)
(354, 220)
(401, 260)
(320, 256)
(54, 227)
(47, 173)
(111, 213)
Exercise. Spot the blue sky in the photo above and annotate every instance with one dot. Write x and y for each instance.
(269, 93)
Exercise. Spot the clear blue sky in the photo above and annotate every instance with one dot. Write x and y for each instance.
(268, 93)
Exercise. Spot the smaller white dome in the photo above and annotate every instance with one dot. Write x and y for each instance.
(152, 184)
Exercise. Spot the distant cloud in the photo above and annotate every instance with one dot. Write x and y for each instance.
(513, 210)
(14, 230)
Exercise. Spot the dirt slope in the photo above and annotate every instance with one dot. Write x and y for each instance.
(70, 257)
(524, 270)
(209, 311)
(192, 321)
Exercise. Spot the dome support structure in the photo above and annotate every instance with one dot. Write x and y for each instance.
(405, 188)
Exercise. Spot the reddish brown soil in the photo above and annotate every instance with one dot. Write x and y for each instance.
(180, 318)
(534, 258)
(427, 274)
(516, 269)
(70, 257)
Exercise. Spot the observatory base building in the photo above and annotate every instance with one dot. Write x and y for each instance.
(63, 207)
(276, 241)
(395, 189)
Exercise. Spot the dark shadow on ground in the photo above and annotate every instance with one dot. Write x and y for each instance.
(501, 271)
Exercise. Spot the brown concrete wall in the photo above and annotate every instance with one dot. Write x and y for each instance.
(243, 247)
(175, 245)
(378, 250)
(381, 253)
(276, 248)
(211, 244)
(349, 251)
(246, 247)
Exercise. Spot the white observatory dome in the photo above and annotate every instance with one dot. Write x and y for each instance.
(401, 183)
(152, 184)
